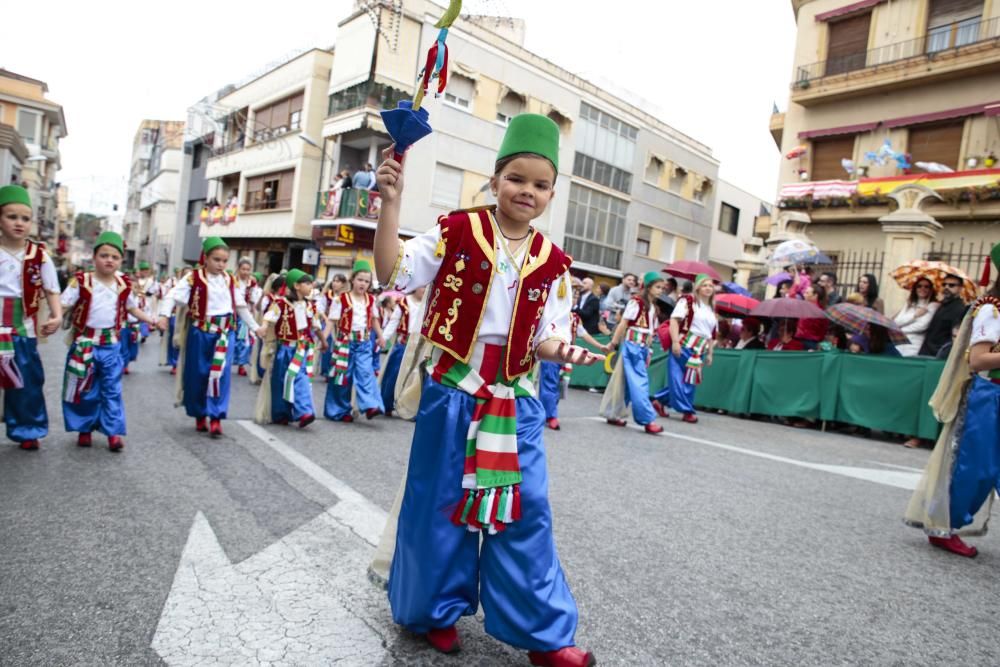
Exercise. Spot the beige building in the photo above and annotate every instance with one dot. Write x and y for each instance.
(632, 194)
(892, 96)
(151, 214)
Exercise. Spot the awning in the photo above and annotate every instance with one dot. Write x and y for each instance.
(343, 125)
(818, 189)
(359, 223)
(847, 9)
(990, 109)
(952, 181)
(834, 131)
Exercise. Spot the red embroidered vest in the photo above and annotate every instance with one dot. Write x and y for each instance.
(642, 319)
(462, 286)
(81, 312)
(31, 277)
(685, 324)
(198, 301)
(248, 290)
(347, 313)
(285, 328)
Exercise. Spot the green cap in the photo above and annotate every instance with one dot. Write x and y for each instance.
(651, 277)
(211, 243)
(112, 239)
(995, 255)
(143, 265)
(296, 276)
(258, 276)
(362, 265)
(14, 194)
(700, 278)
(531, 133)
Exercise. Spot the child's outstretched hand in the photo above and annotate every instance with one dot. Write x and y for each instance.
(389, 177)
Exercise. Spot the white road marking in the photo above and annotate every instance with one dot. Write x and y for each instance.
(898, 479)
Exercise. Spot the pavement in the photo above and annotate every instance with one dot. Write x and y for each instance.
(729, 542)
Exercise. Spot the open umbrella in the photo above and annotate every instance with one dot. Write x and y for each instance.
(689, 269)
(787, 308)
(779, 277)
(797, 251)
(908, 274)
(735, 304)
(859, 318)
(733, 288)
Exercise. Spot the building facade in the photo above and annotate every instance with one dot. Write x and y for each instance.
(733, 250)
(890, 98)
(154, 180)
(632, 192)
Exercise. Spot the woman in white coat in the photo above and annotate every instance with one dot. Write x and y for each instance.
(916, 316)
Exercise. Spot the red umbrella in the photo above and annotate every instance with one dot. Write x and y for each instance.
(735, 304)
(689, 269)
(790, 308)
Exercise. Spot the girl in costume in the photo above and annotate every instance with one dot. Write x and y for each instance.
(169, 351)
(27, 277)
(404, 321)
(955, 494)
(496, 307)
(296, 325)
(629, 382)
(100, 300)
(213, 303)
(246, 283)
(273, 287)
(552, 376)
(131, 331)
(332, 290)
(693, 326)
(354, 315)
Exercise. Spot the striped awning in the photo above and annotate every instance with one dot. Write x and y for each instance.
(952, 181)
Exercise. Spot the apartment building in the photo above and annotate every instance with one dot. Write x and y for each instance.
(154, 179)
(892, 134)
(732, 249)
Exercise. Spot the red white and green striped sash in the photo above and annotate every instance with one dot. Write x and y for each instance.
(304, 357)
(217, 325)
(693, 368)
(342, 356)
(638, 336)
(79, 374)
(11, 324)
(492, 473)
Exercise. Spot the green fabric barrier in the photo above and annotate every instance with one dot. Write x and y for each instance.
(727, 384)
(787, 384)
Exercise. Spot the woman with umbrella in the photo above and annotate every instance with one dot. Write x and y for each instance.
(914, 318)
(954, 495)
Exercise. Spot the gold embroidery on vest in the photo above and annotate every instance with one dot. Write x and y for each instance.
(285, 331)
(452, 282)
(449, 321)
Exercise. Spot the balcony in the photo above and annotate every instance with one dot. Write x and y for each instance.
(348, 203)
(777, 128)
(952, 51)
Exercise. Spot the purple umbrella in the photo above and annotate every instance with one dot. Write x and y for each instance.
(778, 278)
(788, 308)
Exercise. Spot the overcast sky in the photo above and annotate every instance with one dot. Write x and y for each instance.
(711, 68)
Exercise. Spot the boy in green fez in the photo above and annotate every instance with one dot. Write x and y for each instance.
(439, 570)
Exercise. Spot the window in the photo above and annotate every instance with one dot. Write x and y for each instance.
(677, 176)
(940, 142)
(270, 191)
(603, 173)
(667, 243)
(511, 105)
(826, 156)
(654, 169)
(642, 239)
(194, 211)
(460, 91)
(595, 227)
(953, 23)
(29, 126)
(692, 250)
(848, 44)
(605, 138)
(729, 219)
(447, 189)
(197, 156)
(279, 117)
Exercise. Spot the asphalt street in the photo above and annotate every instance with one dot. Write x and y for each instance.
(729, 542)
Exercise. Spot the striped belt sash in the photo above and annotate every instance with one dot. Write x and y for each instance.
(304, 357)
(693, 368)
(217, 325)
(342, 355)
(11, 324)
(80, 367)
(638, 336)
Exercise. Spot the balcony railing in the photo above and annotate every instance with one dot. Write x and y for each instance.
(348, 203)
(952, 37)
(366, 93)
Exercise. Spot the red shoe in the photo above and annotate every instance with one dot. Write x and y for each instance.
(126, 370)
(444, 640)
(660, 410)
(305, 421)
(215, 428)
(115, 443)
(83, 440)
(570, 656)
(653, 428)
(371, 413)
(617, 422)
(690, 418)
(201, 425)
(955, 545)
(552, 423)
(173, 370)
(29, 444)
(242, 372)
(281, 422)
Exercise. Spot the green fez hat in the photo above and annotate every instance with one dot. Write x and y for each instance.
(700, 278)
(14, 194)
(995, 255)
(362, 265)
(258, 276)
(112, 239)
(296, 276)
(531, 133)
(143, 265)
(651, 277)
(211, 243)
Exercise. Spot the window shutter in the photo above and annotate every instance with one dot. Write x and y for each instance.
(279, 114)
(447, 186)
(285, 183)
(296, 102)
(462, 87)
(826, 157)
(946, 12)
(848, 44)
(263, 119)
(940, 143)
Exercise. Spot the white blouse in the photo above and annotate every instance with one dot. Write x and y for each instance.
(704, 321)
(103, 303)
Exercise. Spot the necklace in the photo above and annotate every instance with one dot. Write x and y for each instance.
(519, 238)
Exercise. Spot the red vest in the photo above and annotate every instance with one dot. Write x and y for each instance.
(285, 328)
(347, 313)
(251, 284)
(642, 319)
(462, 287)
(31, 277)
(198, 301)
(81, 312)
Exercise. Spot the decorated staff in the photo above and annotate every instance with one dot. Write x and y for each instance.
(497, 305)
(206, 361)
(27, 278)
(100, 300)
(553, 377)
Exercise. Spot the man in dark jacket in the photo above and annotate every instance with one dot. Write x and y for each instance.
(588, 306)
(947, 316)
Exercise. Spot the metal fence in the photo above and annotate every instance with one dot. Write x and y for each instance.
(969, 256)
(851, 265)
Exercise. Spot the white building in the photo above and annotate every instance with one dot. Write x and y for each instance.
(151, 215)
(736, 215)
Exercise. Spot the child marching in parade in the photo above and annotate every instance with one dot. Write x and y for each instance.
(496, 306)
(213, 303)
(956, 492)
(27, 277)
(553, 375)
(297, 326)
(92, 391)
(405, 319)
(246, 283)
(354, 315)
(131, 329)
(169, 352)
(629, 382)
(332, 290)
(693, 326)
(148, 289)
